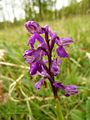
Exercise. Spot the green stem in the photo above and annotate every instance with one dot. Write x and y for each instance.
(58, 110)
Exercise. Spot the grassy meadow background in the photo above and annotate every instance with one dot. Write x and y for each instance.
(19, 100)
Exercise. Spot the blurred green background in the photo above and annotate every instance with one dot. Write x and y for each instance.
(19, 100)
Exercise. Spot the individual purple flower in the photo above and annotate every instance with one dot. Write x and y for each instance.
(33, 27)
(40, 58)
(32, 56)
(61, 42)
(69, 89)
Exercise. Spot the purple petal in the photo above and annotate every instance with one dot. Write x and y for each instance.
(71, 90)
(33, 38)
(55, 70)
(28, 56)
(33, 27)
(32, 56)
(53, 39)
(61, 52)
(37, 56)
(43, 47)
(28, 53)
(30, 60)
(34, 68)
(66, 41)
(63, 41)
(39, 83)
(42, 72)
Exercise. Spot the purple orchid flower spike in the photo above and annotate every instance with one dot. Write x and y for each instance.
(47, 68)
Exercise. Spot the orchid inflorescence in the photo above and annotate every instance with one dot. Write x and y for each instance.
(47, 68)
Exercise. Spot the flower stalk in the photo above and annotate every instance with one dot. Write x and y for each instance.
(58, 110)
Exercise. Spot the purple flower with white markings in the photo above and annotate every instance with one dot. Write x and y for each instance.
(50, 67)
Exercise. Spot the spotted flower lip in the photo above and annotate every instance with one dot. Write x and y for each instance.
(41, 60)
(33, 27)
